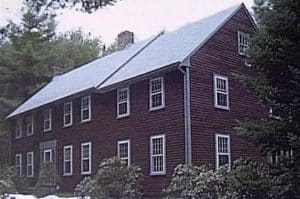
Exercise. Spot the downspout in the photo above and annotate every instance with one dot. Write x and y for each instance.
(185, 69)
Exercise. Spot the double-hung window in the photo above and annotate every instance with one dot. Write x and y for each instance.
(85, 108)
(86, 158)
(47, 120)
(222, 150)
(243, 43)
(123, 102)
(157, 155)
(157, 93)
(68, 114)
(124, 151)
(29, 164)
(48, 156)
(29, 125)
(18, 164)
(221, 92)
(18, 129)
(68, 160)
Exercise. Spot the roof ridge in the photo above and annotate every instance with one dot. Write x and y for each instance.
(130, 58)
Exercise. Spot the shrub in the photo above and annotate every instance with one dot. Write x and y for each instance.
(246, 179)
(114, 179)
(7, 175)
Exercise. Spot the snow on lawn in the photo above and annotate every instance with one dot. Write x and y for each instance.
(20, 196)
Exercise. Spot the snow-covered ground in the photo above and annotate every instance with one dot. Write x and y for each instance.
(21, 196)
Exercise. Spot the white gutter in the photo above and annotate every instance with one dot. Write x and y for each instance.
(187, 110)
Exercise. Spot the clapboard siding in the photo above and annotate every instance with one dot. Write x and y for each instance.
(219, 56)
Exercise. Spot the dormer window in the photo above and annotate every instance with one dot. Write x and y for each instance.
(157, 93)
(123, 102)
(29, 125)
(68, 114)
(85, 108)
(243, 43)
(47, 120)
(18, 129)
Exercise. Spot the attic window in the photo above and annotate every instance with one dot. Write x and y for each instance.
(243, 43)
(85, 108)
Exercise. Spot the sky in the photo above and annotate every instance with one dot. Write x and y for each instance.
(143, 17)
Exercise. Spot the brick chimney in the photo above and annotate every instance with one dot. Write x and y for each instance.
(124, 38)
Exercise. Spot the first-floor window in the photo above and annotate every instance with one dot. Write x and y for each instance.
(18, 164)
(86, 158)
(48, 157)
(29, 164)
(157, 155)
(68, 160)
(222, 150)
(124, 151)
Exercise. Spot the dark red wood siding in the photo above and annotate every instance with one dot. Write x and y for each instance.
(105, 130)
(220, 56)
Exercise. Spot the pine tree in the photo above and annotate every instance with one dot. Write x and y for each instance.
(275, 54)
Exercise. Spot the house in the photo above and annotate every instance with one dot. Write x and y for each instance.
(168, 100)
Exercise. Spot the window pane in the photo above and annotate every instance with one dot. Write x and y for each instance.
(223, 159)
(123, 108)
(156, 100)
(67, 167)
(122, 95)
(85, 114)
(222, 99)
(157, 163)
(156, 85)
(85, 166)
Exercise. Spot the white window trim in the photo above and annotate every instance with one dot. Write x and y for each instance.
(50, 120)
(118, 148)
(51, 155)
(29, 134)
(163, 172)
(19, 128)
(243, 34)
(215, 91)
(89, 158)
(70, 103)
(71, 160)
(217, 153)
(32, 164)
(89, 108)
(162, 94)
(19, 163)
(127, 102)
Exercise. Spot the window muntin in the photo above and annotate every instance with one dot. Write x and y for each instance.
(221, 92)
(124, 151)
(157, 94)
(47, 120)
(18, 164)
(85, 108)
(29, 164)
(86, 158)
(29, 125)
(68, 160)
(123, 102)
(243, 43)
(18, 130)
(48, 156)
(222, 150)
(157, 155)
(68, 114)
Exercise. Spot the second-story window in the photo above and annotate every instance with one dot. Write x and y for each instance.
(123, 102)
(68, 114)
(47, 120)
(157, 94)
(221, 92)
(85, 108)
(29, 125)
(18, 130)
(243, 43)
